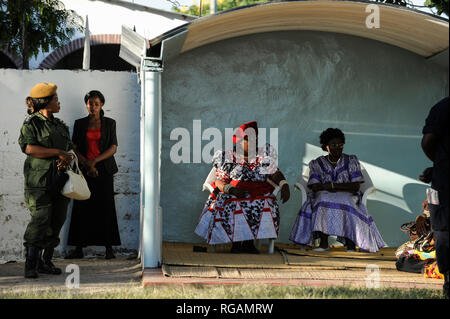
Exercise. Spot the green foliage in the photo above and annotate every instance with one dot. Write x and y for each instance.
(223, 5)
(30, 26)
(441, 5)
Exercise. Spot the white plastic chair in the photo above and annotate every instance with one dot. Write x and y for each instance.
(366, 188)
(207, 187)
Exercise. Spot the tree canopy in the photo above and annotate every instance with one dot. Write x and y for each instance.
(28, 27)
(222, 5)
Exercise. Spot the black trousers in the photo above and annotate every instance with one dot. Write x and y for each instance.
(439, 225)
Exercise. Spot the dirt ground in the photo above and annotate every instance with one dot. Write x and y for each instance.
(96, 274)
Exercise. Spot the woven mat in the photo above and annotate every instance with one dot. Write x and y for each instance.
(182, 254)
(387, 254)
(349, 263)
(288, 262)
(244, 273)
(336, 275)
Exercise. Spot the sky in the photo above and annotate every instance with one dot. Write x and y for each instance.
(163, 4)
(167, 4)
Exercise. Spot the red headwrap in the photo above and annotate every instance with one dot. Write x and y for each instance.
(240, 132)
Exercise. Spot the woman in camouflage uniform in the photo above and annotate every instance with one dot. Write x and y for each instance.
(46, 142)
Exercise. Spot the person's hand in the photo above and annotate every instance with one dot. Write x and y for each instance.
(90, 163)
(92, 171)
(327, 187)
(64, 160)
(421, 225)
(425, 205)
(285, 193)
(238, 192)
(427, 175)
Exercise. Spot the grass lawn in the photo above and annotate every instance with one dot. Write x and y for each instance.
(228, 292)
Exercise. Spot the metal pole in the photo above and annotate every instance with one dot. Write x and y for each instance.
(152, 218)
(142, 168)
(212, 6)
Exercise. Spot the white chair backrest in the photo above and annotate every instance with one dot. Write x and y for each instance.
(305, 174)
(209, 179)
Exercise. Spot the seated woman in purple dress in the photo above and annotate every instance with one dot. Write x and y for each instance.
(334, 207)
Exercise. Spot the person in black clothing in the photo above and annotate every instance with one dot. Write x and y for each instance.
(94, 221)
(435, 146)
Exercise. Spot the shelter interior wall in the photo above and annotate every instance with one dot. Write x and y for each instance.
(302, 83)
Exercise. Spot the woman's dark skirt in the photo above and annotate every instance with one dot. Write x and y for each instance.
(94, 221)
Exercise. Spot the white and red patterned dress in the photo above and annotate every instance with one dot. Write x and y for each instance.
(226, 218)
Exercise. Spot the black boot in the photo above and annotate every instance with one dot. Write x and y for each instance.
(45, 265)
(109, 254)
(249, 247)
(32, 257)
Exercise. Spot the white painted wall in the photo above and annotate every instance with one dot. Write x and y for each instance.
(122, 93)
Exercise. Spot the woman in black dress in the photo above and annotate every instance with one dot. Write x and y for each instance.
(94, 221)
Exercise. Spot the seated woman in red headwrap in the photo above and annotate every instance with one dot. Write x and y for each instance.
(242, 207)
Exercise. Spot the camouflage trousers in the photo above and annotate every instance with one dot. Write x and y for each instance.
(48, 214)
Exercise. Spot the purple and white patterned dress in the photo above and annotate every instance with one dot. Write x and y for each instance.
(226, 218)
(340, 214)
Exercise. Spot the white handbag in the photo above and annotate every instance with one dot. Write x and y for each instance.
(76, 186)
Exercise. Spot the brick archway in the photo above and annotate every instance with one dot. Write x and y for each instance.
(53, 58)
(14, 59)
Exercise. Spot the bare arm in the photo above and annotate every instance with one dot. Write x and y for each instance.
(90, 163)
(347, 187)
(341, 187)
(38, 151)
(238, 192)
(277, 177)
(106, 154)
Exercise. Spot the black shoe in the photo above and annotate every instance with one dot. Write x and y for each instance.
(249, 247)
(75, 254)
(109, 253)
(31, 262)
(350, 245)
(45, 265)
